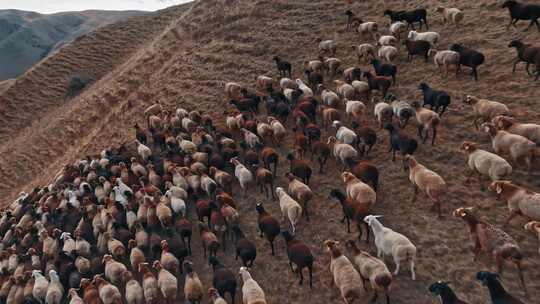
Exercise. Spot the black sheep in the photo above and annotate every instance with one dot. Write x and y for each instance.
(384, 69)
(314, 78)
(468, 57)
(284, 67)
(417, 47)
(400, 141)
(224, 279)
(245, 249)
(436, 99)
(496, 291)
(417, 15)
(519, 11)
(528, 53)
(446, 293)
(300, 255)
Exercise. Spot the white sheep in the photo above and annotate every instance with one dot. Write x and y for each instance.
(287, 83)
(383, 112)
(388, 53)
(327, 46)
(251, 139)
(368, 28)
(485, 163)
(244, 176)
(279, 130)
(234, 121)
(302, 86)
(389, 242)
(398, 28)
(252, 293)
(387, 40)
(446, 58)
(331, 66)
(355, 109)
(330, 98)
(344, 90)
(451, 14)
(517, 146)
(345, 277)
(361, 89)
(55, 290)
(232, 90)
(144, 151)
(485, 109)
(289, 207)
(342, 151)
(41, 285)
(431, 37)
(178, 205)
(344, 134)
(365, 52)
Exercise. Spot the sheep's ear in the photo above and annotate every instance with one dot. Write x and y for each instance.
(486, 128)
(377, 216)
(498, 189)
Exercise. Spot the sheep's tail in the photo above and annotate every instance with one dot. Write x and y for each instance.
(384, 280)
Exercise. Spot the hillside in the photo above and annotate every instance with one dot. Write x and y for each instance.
(182, 57)
(28, 37)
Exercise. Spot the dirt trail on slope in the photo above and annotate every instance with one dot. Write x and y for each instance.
(187, 65)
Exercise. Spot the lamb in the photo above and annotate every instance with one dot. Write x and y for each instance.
(368, 28)
(485, 109)
(193, 288)
(364, 52)
(431, 37)
(450, 14)
(300, 192)
(437, 99)
(520, 11)
(469, 57)
(387, 40)
(520, 201)
(528, 53)
(534, 227)
(446, 58)
(345, 277)
(491, 240)
(252, 293)
(517, 146)
(244, 176)
(371, 269)
(357, 190)
(388, 53)
(342, 150)
(528, 130)
(485, 163)
(289, 207)
(397, 28)
(428, 120)
(389, 242)
(327, 46)
(427, 181)
(418, 47)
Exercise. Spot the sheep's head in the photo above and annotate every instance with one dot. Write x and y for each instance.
(486, 277)
(467, 147)
(502, 122)
(279, 191)
(532, 226)
(188, 266)
(157, 265)
(106, 258)
(331, 140)
(465, 213)
(489, 128)
(515, 43)
(438, 287)
(509, 4)
(347, 177)
(370, 219)
(330, 244)
(500, 186)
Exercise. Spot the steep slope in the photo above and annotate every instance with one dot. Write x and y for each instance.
(188, 61)
(28, 37)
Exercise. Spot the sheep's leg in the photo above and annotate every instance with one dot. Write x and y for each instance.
(509, 24)
(306, 213)
(348, 225)
(413, 274)
(435, 133)
(367, 233)
(301, 275)
(530, 24)
(415, 193)
(374, 298)
(420, 130)
(515, 64)
(396, 272)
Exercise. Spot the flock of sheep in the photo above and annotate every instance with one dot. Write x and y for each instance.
(117, 227)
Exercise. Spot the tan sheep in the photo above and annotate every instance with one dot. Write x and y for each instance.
(279, 130)
(167, 283)
(344, 152)
(365, 52)
(428, 121)
(427, 181)
(387, 40)
(534, 227)
(451, 14)
(398, 28)
(234, 121)
(312, 66)
(485, 163)
(289, 207)
(345, 277)
(114, 271)
(368, 28)
(446, 59)
(344, 90)
(383, 112)
(331, 66)
(485, 109)
(252, 292)
(372, 269)
(357, 190)
(517, 146)
(232, 90)
(388, 53)
(264, 82)
(329, 114)
(300, 192)
(520, 201)
(362, 89)
(529, 130)
(193, 288)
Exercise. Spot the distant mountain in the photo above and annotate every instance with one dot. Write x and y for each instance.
(28, 37)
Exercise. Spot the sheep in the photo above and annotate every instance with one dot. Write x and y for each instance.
(264, 178)
(496, 291)
(263, 82)
(209, 240)
(327, 46)
(528, 53)
(368, 28)
(300, 192)
(383, 112)
(491, 240)
(361, 89)
(352, 210)
(168, 260)
(520, 201)
(332, 99)
(352, 19)
(426, 181)
(351, 74)
(379, 83)
(397, 28)
(232, 90)
(108, 293)
(534, 227)
(167, 283)
(144, 151)
(400, 141)
(331, 66)
(528, 130)
(428, 120)
(485, 109)
(234, 121)
(446, 58)
(224, 279)
(389, 242)
(344, 134)
(289, 207)
(355, 109)
(446, 293)
(215, 297)
(455, 15)
(468, 57)
(300, 255)
(252, 293)
(417, 15)
(244, 176)
(345, 277)
(431, 37)
(516, 146)
(75, 298)
(279, 130)
(299, 168)
(114, 271)
(55, 290)
(329, 115)
(388, 53)
(41, 285)
(193, 288)
(307, 92)
(268, 225)
(364, 52)
(485, 163)
(418, 47)
(371, 269)
(322, 151)
(287, 83)
(387, 40)
(284, 67)
(134, 291)
(313, 66)
(384, 69)
(435, 98)
(520, 11)
(341, 150)
(365, 171)
(245, 249)
(314, 79)
(357, 190)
